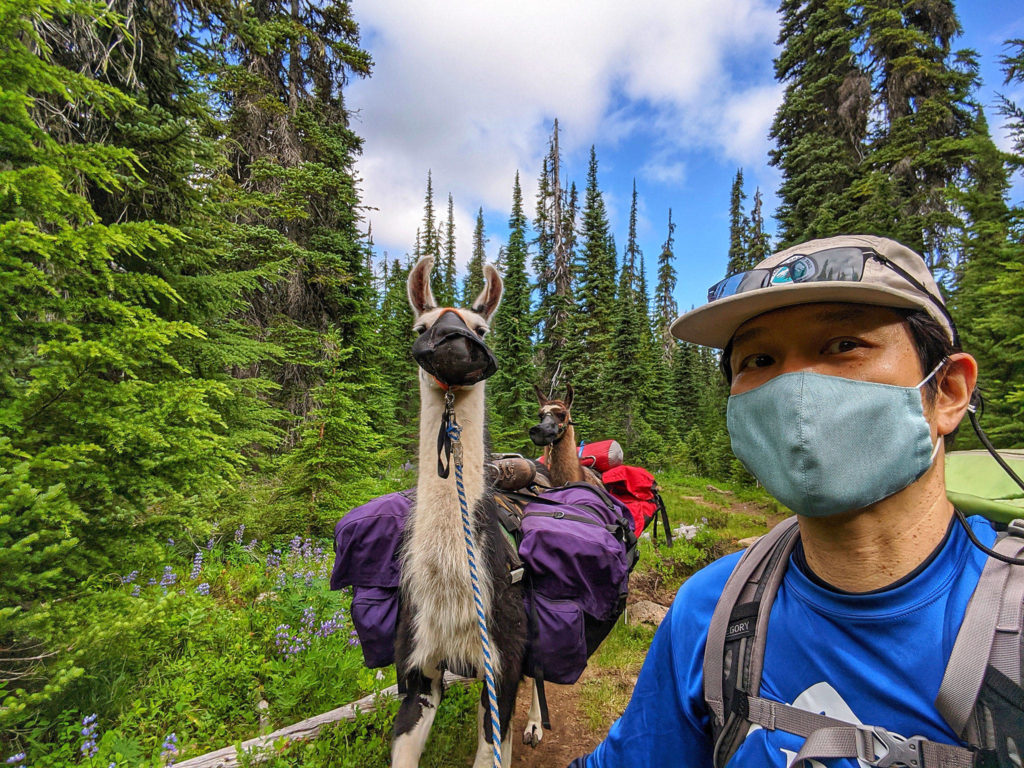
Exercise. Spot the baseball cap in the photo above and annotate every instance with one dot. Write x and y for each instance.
(855, 269)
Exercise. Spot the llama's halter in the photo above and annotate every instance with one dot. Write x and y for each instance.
(453, 433)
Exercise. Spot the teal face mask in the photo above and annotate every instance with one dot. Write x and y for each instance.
(823, 445)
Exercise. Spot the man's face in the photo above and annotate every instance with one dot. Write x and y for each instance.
(853, 341)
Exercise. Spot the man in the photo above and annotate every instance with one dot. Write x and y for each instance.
(845, 377)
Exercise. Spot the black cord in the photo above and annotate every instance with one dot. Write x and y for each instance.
(991, 449)
(982, 547)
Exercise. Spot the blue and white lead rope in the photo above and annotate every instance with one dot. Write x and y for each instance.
(454, 432)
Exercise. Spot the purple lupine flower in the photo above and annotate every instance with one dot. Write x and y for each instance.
(17, 761)
(282, 579)
(251, 545)
(209, 543)
(170, 542)
(137, 591)
(151, 582)
(197, 565)
(130, 577)
(239, 533)
(295, 545)
(170, 749)
(89, 748)
(353, 638)
(169, 577)
(274, 559)
(203, 589)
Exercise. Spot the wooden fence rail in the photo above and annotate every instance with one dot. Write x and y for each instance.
(258, 749)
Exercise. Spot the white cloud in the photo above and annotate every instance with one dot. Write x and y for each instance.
(469, 88)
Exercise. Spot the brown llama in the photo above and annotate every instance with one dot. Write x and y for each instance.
(556, 433)
(437, 623)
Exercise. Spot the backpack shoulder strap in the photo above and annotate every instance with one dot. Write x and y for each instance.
(734, 654)
(982, 692)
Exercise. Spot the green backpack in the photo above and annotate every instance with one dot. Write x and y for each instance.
(977, 485)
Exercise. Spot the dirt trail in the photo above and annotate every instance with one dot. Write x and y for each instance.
(569, 736)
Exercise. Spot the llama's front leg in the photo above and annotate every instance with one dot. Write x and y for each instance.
(506, 705)
(415, 716)
(484, 751)
(534, 727)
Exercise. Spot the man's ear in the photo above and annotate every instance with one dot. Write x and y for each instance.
(421, 298)
(487, 302)
(957, 380)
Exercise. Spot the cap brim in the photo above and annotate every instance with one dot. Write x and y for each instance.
(715, 323)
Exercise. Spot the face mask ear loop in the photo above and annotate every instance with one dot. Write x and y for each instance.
(935, 370)
(938, 441)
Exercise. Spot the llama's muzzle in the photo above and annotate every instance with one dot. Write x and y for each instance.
(453, 354)
(547, 432)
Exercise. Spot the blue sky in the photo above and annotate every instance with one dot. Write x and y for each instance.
(676, 95)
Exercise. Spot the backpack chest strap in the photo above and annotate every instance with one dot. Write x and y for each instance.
(828, 738)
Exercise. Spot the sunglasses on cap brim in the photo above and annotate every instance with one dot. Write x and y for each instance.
(844, 265)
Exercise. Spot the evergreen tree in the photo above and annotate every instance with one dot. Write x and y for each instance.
(474, 282)
(510, 390)
(820, 127)
(758, 242)
(446, 289)
(988, 303)
(592, 323)
(738, 227)
(664, 301)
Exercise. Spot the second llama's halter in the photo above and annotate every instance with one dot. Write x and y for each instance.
(454, 432)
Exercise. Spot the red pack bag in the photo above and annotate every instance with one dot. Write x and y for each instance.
(602, 455)
(635, 487)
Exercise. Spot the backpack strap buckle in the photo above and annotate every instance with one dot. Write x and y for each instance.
(878, 747)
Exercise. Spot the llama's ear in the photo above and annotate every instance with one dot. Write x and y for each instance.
(540, 395)
(421, 298)
(487, 302)
(568, 395)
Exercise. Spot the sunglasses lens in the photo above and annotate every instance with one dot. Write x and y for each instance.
(838, 264)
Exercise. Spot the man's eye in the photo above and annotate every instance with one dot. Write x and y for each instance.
(838, 346)
(756, 361)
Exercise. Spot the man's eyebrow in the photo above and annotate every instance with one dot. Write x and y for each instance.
(747, 335)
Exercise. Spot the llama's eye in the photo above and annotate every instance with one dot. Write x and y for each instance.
(420, 328)
(481, 331)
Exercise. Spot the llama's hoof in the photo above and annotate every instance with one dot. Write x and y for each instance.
(533, 734)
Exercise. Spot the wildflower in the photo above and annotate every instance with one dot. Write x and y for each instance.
(170, 542)
(209, 543)
(170, 749)
(169, 577)
(130, 577)
(282, 579)
(353, 638)
(18, 760)
(137, 591)
(151, 582)
(197, 565)
(274, 559)
(203, 589)
(239, 533)
(295, 545)
(89, 748)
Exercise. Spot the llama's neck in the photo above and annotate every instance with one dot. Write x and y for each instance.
(563, 462)
(469, 414)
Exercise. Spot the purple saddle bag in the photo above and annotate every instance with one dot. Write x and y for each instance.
(576, 544)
